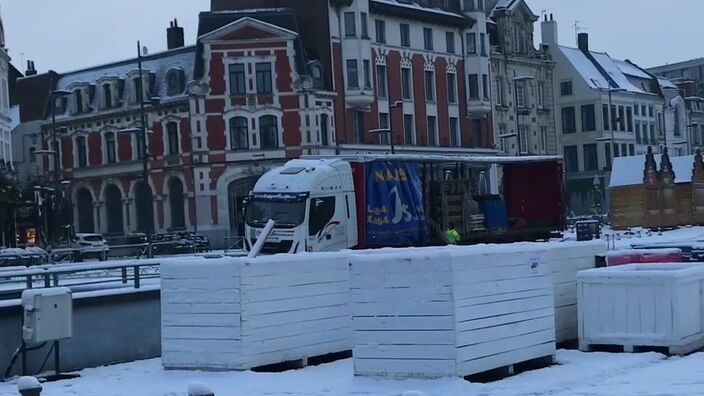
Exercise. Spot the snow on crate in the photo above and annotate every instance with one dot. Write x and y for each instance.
(642, 305)
(450, 312)
(241, 313)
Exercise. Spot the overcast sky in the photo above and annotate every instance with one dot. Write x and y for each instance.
(65, 35)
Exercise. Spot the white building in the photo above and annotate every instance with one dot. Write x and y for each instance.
(603, 106)
(6, 119)
(523, 108)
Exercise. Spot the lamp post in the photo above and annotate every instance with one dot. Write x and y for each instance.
(390, 129)
(516, 80)
(195, 91)
(54, 150)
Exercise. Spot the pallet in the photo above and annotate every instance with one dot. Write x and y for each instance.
(629, 348)
(303, 363)
(504, 372)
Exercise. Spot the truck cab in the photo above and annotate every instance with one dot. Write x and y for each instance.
(312, 203)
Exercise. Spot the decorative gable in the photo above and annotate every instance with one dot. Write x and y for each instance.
(249, 29)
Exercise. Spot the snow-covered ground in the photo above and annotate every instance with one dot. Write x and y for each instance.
(577, 373)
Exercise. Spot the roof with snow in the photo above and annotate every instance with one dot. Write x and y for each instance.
(628, 171)
(507, 6)
(601, 71)
(422, 12)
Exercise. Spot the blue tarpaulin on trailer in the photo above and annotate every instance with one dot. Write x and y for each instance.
(395, 213)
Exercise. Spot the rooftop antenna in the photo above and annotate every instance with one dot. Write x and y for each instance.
(577, 29)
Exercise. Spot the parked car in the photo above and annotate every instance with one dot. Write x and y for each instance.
(92, 245)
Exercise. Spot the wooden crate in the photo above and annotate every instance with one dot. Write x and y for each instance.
(450, 312)
(240, 313)
(565, 260)
(642, 305)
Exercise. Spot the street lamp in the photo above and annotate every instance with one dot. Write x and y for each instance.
(195, 91)
(612, 121)
(516, 80)
(385, 131)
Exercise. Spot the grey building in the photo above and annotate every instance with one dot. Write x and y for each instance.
(680, 72)
(522, 82)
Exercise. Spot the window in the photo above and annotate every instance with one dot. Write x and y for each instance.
(263, 72)
(645, 133)
(605, 116)
(638, 139)
(650, 111)
(591, 161)
(81, 151)
(472, 43)
(380, 31)
(571, 160)
(543, 139)
(321, 212)
(566, 88)
(473, 86)
(452, 88)
(482, 43)
(499, 90)
(621, 119)
(176, 204)
(406, 83)
(136, 85)
(268, 132)
(384, 138)
(237, 79)
(642, 110)
(629, 119)
(636, 109)
(454, 132)
(358, 126)
(607, 155)
(429, 86)
(405, 31)
(352, 74)
(365, 27)
(172, 134)
(614, 118)
(239, 134)
(624, 150)
(409, 137)
(652, 133)
(523, 139)
(324, 122)
(367, 74)
(381, 83)
(541, 95)
(110, 147)
(432, 131)
(520, 95)
(107, 96)
(450, 42)
(569, 124)
(79, 101)
(588, 118)
(631, 149)
(139, 142)
(485, 86)
(350, 27)
(428, 38)
(678, 132)
(617, 152)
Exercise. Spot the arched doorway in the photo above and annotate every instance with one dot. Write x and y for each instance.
(144, 201)
(84, 207)
(176, 203)
(237, 191)
(113, 209)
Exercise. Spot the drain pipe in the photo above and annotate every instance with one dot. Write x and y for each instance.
(268, 228)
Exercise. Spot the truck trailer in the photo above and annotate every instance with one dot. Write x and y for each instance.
(330, 203)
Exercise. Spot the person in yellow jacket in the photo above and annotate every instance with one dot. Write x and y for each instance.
(453, 237)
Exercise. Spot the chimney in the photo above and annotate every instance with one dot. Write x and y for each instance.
(548, 31)
(583, 42)
(31, 71)
(174, 35)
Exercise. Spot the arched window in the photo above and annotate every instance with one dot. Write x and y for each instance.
(107, 96)
(176, 202)
(143, 201)
(239, 133)
(172, 134)
(110, 151)
(113, 209)
(81, 151)
(268, 132)
(84, 206)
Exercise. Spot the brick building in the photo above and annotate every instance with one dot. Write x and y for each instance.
(259, 87)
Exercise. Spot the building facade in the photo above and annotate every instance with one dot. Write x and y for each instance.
(607, 108)
(522, 82)
(7, 118)
(409, 66)
(682, 72)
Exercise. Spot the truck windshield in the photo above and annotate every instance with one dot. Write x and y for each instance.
(284, 213)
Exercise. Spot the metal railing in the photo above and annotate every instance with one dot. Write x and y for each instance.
(79, 277)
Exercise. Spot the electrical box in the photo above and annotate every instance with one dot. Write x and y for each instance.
(48, 314)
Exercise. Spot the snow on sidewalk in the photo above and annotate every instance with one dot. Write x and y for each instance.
(596, 374)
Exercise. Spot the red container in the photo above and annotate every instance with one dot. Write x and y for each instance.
(661, 256)
(623, 257)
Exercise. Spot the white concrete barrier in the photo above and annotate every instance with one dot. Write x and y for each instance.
(652, 305)
(240, 313)
(450, 312)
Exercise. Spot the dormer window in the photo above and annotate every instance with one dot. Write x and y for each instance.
(175, 82)
(107, 96)
(78, 98)
(133, 86)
